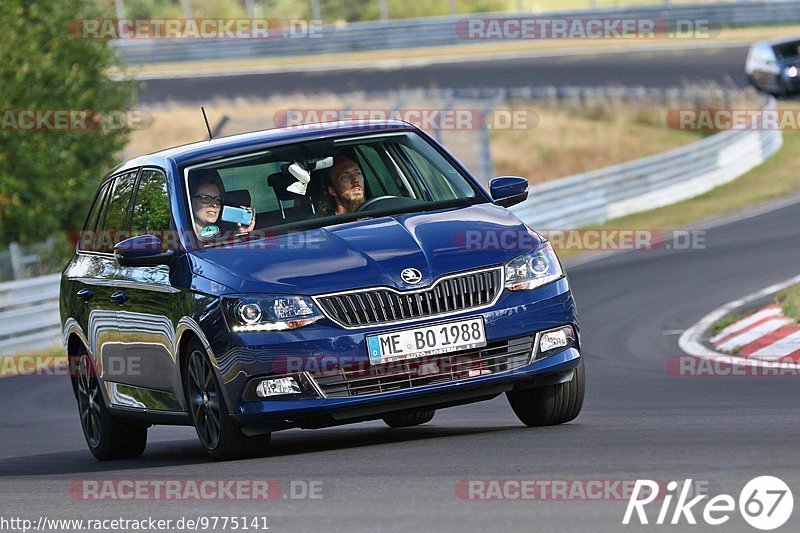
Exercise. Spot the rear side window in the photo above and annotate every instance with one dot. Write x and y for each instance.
(151, 211)
(88, 238)
(115, 224)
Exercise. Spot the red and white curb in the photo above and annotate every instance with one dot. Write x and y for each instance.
(765, 338)
(766, 334)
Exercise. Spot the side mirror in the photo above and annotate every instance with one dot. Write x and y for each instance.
(508, 190)
(143, 250)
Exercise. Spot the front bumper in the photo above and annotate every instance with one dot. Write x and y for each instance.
(317, 413)
(515, 315)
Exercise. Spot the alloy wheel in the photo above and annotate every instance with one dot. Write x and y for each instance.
(88, 396)
(204, 399)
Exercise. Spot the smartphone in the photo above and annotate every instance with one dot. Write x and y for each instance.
(237, 215)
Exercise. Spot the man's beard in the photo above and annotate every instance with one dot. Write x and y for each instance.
(351, 199)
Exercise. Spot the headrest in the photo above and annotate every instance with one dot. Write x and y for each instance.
(237, 198)
(279, 182)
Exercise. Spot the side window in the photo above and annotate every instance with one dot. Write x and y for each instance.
(89, 234)
(151, 212)
(115, 225)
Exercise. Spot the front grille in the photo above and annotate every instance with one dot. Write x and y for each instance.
(369, 307)
(493, 358)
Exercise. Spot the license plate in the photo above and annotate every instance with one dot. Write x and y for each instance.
(437, 339)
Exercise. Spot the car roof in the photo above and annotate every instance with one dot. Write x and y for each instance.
(222, 146)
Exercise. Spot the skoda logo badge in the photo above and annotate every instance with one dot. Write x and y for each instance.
(411, 276)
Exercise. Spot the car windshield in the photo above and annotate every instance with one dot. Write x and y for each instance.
(321, 183)
(788, 50)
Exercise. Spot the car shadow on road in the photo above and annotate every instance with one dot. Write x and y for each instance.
(172, 453)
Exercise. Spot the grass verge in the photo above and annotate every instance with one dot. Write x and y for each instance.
(568, 140)
(724, 322)
(775, 178)
(789, 300)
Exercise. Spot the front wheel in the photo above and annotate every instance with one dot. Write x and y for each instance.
(552, 405)
(222, 439)
(106, 436)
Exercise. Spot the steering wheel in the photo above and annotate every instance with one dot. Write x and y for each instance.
(372, 201)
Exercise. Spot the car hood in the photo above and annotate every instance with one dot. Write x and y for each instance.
(369, 252)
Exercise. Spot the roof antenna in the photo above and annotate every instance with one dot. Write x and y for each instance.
(210, 137)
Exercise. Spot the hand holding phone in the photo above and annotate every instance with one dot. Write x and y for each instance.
(237, 215)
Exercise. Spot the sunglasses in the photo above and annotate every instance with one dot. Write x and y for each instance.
(207, 199)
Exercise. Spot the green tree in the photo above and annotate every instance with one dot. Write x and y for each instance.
(48, 177)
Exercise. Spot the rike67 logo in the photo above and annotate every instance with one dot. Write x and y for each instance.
(765, 502)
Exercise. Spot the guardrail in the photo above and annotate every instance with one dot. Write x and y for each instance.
(29, 313)
(612, 192)
(29, 316)
(28, 261)
(436, 31)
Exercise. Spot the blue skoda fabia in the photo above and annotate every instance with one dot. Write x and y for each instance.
(309, 277)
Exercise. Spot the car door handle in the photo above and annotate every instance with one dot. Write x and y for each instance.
(119, 297)
(85, 295)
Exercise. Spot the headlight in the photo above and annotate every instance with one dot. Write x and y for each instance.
(534, 269)
(269, 312)
(791, 71)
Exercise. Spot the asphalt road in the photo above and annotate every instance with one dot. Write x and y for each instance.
(648, 69)
(638, 421)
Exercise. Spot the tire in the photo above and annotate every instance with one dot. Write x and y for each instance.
(219, 435)
(550, 406)
(409, 418)
(107, 437)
